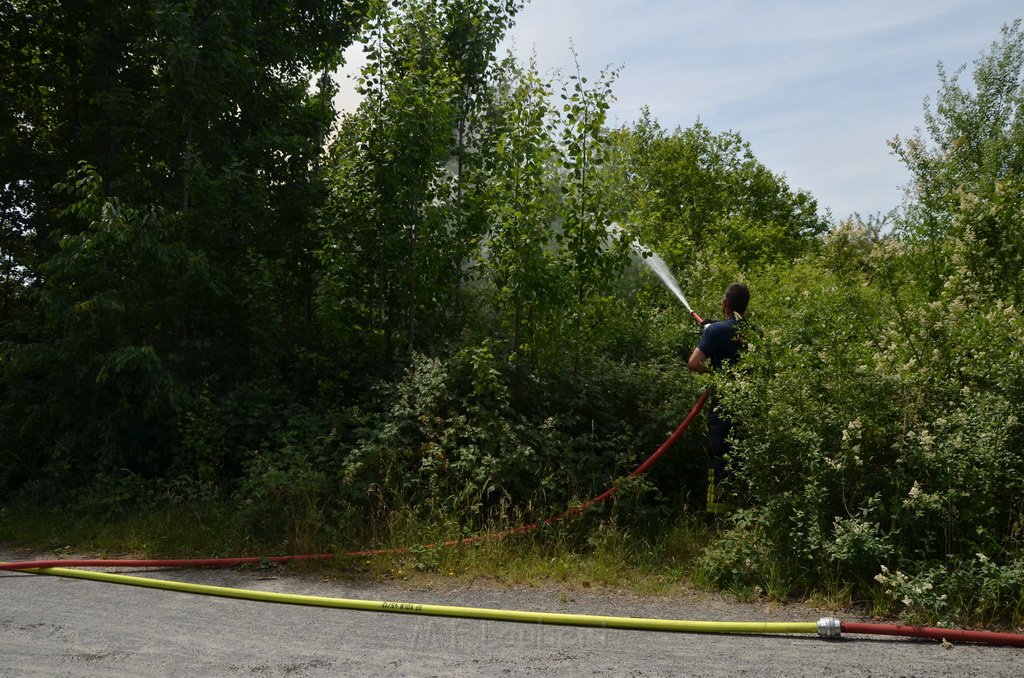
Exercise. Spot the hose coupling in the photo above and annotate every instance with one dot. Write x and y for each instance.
(829, 627)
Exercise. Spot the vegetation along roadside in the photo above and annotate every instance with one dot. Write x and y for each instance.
(233, 321)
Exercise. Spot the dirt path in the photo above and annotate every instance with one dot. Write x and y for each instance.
(60, 626)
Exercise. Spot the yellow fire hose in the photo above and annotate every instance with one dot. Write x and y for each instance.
(600, 621)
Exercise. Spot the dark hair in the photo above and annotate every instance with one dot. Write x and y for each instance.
(738, 296)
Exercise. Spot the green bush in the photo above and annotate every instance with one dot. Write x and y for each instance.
(878, 427)
(465, 433)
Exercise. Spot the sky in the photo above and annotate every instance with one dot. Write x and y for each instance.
(816, 87)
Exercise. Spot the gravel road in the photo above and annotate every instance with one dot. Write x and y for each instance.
(55, 626)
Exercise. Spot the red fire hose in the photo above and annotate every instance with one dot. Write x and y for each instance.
(986, 637)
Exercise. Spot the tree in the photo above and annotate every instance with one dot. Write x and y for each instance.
(400, 229)
(592, 256)
(183, 239)
(693, 193)
(519, 189)
(968, 172)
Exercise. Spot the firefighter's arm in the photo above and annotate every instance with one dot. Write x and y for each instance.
(697, 362)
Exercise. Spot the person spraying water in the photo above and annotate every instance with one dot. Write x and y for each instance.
(720, 344)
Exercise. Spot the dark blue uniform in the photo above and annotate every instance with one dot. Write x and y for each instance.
(722, 344)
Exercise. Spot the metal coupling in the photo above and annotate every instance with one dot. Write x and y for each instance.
(829, 627)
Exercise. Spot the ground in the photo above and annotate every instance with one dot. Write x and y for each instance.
(60, 626)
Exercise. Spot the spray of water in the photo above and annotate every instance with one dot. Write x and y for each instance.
(655, 263)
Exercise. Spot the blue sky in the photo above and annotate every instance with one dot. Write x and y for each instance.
(816, 87)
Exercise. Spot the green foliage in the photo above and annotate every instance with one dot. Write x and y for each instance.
(969, 171)
(876, 429)
(450, 441)
(287, 486)
(399, 229)
(591, 257)
(454, 442)
(110, 338)
(972, 587)
(517, 256)
(692, 195)
(176, 258)
(880, 408)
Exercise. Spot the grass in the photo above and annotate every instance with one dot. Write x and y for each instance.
(581, 553)
(156, 533)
